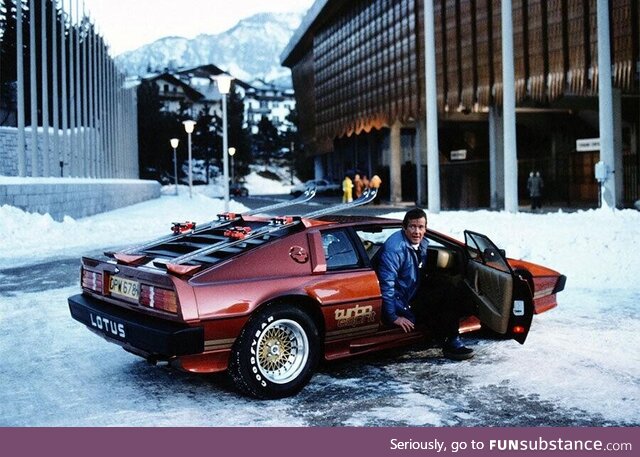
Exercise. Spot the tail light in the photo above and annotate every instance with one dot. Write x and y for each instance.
(517, 329)
(92, 280)
(159, 298)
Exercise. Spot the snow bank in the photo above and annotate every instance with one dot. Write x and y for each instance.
(594, 248)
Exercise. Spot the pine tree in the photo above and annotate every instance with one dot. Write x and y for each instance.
(239, 137)
(155, 129)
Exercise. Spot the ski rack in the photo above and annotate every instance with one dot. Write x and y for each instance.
(223, 220)
(177, 265)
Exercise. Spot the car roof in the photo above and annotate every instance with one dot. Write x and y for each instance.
(341, 219)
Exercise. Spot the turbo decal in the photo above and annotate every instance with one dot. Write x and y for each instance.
(358, 315)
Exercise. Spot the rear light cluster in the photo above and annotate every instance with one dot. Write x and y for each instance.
(150, 296)
(159, 298)
(92, 281)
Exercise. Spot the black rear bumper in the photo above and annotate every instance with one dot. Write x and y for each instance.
(146, 335)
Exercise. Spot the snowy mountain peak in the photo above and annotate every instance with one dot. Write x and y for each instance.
(248, 50)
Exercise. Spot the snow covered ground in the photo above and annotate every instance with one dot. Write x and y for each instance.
(582, 355)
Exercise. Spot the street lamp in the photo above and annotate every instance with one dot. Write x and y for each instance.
(188, 127)
(224, 86)
(174, 144)
(232, 152)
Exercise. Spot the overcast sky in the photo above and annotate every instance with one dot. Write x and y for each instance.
(129, 24)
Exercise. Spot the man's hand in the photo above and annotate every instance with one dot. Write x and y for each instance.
(404, 323)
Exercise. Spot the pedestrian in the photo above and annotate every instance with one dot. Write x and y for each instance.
(347, 190)
(375, 183)
(358, 186)
(535, 185)
(409, 297)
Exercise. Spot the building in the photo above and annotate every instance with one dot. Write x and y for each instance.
(195, 89)
(359, 76)
(265, 99)
(176, 94)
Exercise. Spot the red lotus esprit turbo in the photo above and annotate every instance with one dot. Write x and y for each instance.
(266, 298)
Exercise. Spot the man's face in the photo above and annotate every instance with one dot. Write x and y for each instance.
(415, 230)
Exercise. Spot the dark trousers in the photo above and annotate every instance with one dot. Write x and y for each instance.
(439, 306)
(536, 202)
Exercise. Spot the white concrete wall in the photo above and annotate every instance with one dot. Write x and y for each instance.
(74, 197)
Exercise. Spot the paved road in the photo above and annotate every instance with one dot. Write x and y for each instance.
(322, 201)
(57, 373)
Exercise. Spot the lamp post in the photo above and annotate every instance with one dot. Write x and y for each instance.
(232, 152)
(292, 163)
(174, 144)
(224, 85)
(188, 127)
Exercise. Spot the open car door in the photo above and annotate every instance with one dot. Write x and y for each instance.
(503, 298)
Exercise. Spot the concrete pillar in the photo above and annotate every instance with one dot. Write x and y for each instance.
(617, 146)
(496, 158)
(606, 108)
(395, 164)
(431, 109)
(318, 168)
(420, 160)
(509, 111)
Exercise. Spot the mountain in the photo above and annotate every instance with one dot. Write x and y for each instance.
(250, 50)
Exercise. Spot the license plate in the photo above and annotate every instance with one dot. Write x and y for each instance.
(124, 287)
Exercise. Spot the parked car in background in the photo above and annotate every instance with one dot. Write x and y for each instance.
(238, 190)
(322, 186)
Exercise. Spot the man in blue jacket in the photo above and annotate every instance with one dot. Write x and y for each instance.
(401, 273)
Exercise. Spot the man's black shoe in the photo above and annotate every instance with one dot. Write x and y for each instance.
(454, 349)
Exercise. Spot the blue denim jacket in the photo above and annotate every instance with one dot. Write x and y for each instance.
(398, 271)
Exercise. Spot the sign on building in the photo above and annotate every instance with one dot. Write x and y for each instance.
(588, 144)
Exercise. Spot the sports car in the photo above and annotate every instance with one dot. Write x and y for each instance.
(266, 299)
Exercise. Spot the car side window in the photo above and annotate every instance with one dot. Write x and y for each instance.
(482, 250)
(373, 239)
(339, 250)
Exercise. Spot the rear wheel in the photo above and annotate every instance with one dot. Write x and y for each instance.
(276, 353)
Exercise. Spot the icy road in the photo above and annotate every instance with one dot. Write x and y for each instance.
(580, 365)
(57, 373)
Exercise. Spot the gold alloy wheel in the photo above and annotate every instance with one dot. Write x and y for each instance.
(283, 350)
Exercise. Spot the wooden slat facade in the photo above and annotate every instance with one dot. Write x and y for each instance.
(366, 65)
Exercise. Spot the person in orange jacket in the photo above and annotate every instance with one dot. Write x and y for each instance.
(358, 186)
(375, 183)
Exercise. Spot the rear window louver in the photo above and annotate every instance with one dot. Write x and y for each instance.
(217, 244)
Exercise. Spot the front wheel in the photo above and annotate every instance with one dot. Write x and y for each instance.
(276, 353)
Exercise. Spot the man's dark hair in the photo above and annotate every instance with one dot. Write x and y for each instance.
(413, 214)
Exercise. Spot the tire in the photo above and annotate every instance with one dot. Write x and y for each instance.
(276, 353)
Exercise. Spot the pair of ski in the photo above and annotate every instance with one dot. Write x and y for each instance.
(277, 224)
(224, 219)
